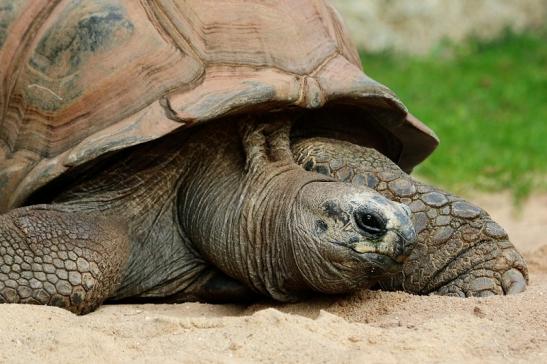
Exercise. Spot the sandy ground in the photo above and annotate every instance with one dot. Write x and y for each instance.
(366, 327)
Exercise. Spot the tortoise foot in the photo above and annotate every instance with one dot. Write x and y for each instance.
(57, 258)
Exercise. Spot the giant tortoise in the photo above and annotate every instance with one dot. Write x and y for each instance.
(218, 151)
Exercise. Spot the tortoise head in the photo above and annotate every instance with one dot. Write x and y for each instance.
(345, 237)
(283, 231)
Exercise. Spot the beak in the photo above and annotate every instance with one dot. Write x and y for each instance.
(407, 238)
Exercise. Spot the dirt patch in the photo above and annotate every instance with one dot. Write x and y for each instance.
(365, 327)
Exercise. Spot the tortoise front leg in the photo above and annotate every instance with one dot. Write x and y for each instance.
(460, 250)
(53, 257)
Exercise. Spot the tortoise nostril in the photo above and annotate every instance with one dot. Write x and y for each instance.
(371, 223)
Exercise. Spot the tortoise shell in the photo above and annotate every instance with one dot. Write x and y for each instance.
(83, 78)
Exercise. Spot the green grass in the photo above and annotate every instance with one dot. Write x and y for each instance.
(487, 102)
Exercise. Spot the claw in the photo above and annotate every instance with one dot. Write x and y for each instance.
(513, 281)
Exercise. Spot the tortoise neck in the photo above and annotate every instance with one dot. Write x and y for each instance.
(239, 218)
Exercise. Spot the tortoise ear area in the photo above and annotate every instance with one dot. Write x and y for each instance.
(334, 211)
(321, 227)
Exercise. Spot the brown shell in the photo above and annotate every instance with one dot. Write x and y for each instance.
(80, 79)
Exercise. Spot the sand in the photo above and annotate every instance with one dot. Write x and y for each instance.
(375, 327)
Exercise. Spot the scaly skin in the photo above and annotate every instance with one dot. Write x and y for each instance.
(460, 250)
(53, 257)
(218, 213)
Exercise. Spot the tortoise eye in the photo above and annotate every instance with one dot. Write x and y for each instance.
(371, 223)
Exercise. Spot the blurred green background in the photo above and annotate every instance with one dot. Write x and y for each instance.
(475, 71)
(487, 102)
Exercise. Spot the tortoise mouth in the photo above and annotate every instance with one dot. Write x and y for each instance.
(384, 263)
(381, 263)
(402, 246)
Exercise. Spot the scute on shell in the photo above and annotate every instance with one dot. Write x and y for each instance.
(83, 79)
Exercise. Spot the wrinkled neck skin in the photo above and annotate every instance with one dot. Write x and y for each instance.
(193, 204)
(241, 219)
